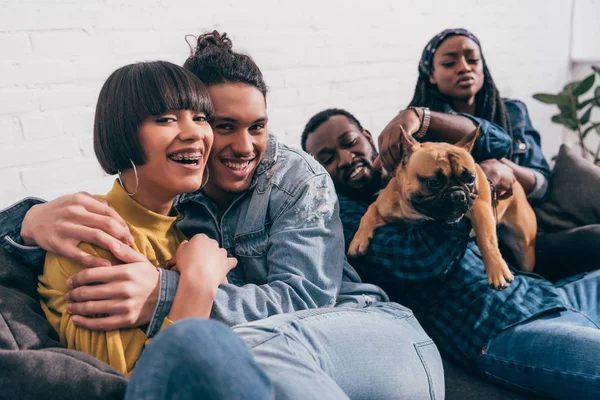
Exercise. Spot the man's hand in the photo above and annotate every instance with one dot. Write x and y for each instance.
(60, 225)
(389, 139)
(501, 175)
(127, 294)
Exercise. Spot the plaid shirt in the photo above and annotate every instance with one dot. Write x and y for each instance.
(437, 271)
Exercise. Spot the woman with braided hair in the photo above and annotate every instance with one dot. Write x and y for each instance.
(454, 78)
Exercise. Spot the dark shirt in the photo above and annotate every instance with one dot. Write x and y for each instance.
(437, 271)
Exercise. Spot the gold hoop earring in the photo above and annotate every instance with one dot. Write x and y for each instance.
(205, 177)
(137, 181)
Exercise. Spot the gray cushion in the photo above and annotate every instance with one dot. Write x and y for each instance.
(573, 195)
(33, 363)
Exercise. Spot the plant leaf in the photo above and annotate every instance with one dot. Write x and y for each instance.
(585, 85)
(548, 98)
(597, 94)
(586, 116)
(589, 128)
(596, 69)
(570, 123)
(566, 111)
(569, 87)
(595, 100)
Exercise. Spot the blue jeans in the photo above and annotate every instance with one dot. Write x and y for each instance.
(556, 354)
(376, 352)
(197, 359)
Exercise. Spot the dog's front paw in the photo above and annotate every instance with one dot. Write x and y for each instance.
(499, 276)
(359, 245)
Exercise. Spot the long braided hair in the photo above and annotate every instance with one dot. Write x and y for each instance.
(488, 103)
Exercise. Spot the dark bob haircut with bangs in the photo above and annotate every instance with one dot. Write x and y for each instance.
(131, 94)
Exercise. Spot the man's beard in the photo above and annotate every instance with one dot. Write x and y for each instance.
(367, 192)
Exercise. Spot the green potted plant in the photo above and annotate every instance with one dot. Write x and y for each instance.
(576, 111)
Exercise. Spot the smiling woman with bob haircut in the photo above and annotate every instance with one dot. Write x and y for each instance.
(151, 129)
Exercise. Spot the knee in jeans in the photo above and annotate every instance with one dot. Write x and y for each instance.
(195, 333)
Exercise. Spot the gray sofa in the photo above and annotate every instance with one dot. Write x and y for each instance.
(33, 363)
(35, 366)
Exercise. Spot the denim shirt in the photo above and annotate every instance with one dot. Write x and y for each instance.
(526, 144)
(286, 233)
(527, 147)
(493, 141)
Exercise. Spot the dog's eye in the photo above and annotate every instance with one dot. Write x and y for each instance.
(433, 184)
(468, 179)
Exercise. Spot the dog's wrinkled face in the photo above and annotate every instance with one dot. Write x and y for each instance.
(438, 179)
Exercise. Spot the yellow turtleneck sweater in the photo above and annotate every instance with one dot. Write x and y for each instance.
(155, 237)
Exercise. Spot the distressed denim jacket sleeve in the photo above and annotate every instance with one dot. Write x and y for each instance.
(11, 219)
(305, 256)
(304, 259)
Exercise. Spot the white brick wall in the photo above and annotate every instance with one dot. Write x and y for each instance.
(55, 55)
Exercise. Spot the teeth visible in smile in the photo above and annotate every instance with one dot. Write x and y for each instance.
(237, 166)
(186, 156)
(356, 171)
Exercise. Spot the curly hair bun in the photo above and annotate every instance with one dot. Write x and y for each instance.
(212, 41)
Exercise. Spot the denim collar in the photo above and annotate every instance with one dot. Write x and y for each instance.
(268, 159)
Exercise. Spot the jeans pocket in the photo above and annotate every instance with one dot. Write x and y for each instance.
(432, 363)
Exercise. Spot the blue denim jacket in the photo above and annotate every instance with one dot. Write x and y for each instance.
(493, 141)
(526, 144)
(285, 232)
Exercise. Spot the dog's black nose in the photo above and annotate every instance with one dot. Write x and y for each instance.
(458, 196)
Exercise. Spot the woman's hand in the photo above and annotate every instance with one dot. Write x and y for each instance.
(524, 175)
(201, 259)
(61, 224)
(501, 176)
(203, 266)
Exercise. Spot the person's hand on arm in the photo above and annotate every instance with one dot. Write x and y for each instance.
(120, 348)
(526, 176)
(60, 225)
(305, 257)
(126, 294)
(203, 266)
(493, 142)
(500, 175)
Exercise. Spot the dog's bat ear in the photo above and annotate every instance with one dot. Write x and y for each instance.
(468, 141)
(408, 145)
